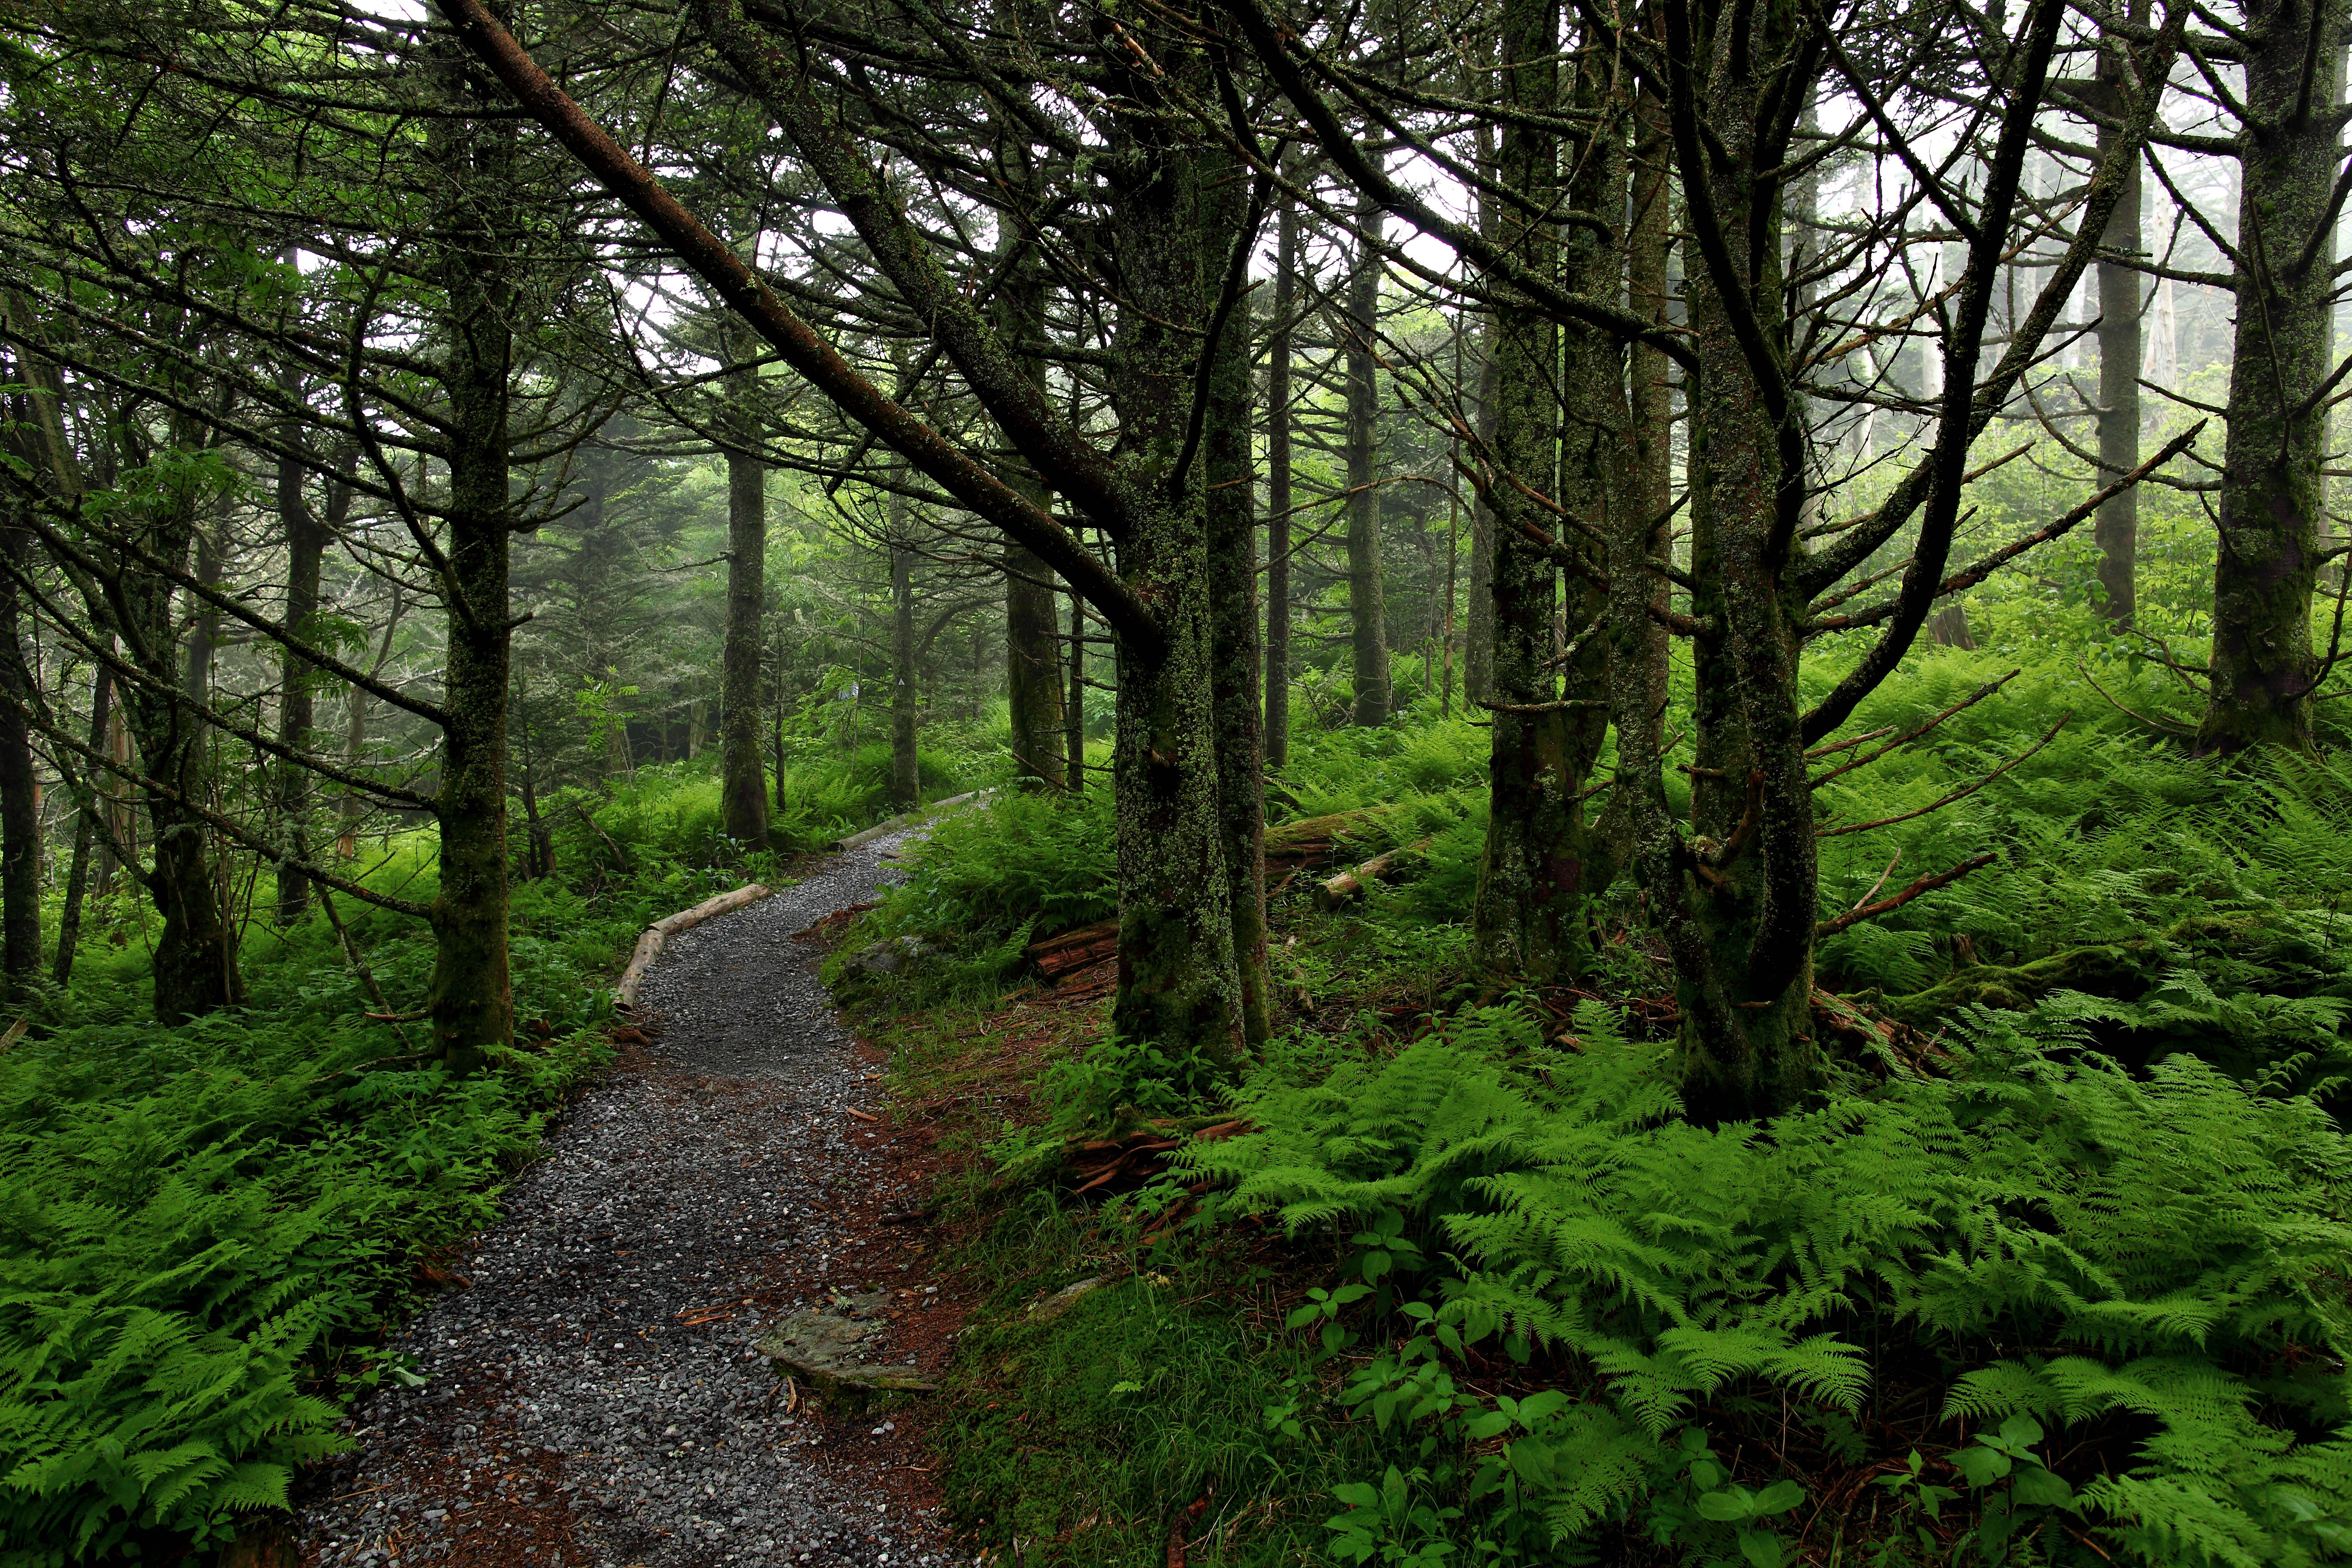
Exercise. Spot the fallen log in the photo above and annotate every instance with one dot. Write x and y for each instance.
(649, 944)
(1313, 839)
(1074, 950)
(1333, 891)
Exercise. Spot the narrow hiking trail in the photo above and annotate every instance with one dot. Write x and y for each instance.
(593, 1395)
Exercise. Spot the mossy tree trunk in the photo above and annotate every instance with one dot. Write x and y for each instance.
(1740, 902)
(1367, 591)
(1179, 982)
(2272, 493)
(471, 995)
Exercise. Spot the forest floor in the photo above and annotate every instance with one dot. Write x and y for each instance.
(592, 1393)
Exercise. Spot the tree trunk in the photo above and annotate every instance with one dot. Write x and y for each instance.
(1178, 982)
(85, 819)
(1652, 492)
(1741, 919)
(1074, 713)
(2272, 493)
(1526, 922)
(906, 762)
(1233, 598)
(471, 997)
(1278, 500)
(2116, 528)
(306, 544)
(742, 791)
(1367, 595)
(1478, 609)
(20, 809)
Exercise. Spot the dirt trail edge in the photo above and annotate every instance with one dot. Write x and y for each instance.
(593, 1395)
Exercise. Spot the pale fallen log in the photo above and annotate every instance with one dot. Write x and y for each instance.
(649, 944)
(1333, 891)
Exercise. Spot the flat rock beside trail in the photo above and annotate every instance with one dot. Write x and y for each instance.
(829, 1346)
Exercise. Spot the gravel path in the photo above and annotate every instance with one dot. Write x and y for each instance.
(592, 1399)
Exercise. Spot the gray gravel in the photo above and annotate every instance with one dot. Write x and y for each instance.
(573, 1415)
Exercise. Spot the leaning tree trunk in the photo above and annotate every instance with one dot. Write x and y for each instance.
(1367, 595)
(471, 996)
(20, 810)
(1233, 597)
(742, 788)
(2272, 493)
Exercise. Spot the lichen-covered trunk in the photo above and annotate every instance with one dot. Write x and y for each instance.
(306, 543)
(1526, 922)
(2272, 493)
(1178, 982)
(20, 810)
(1367, 592)
(1233, 598)
(471, 996)
(742, 782)
(1278, 488)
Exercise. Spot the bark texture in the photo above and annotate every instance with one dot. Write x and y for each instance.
(2273, 493)
(1178, 982)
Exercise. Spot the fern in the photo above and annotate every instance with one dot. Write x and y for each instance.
(2157, 1234)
